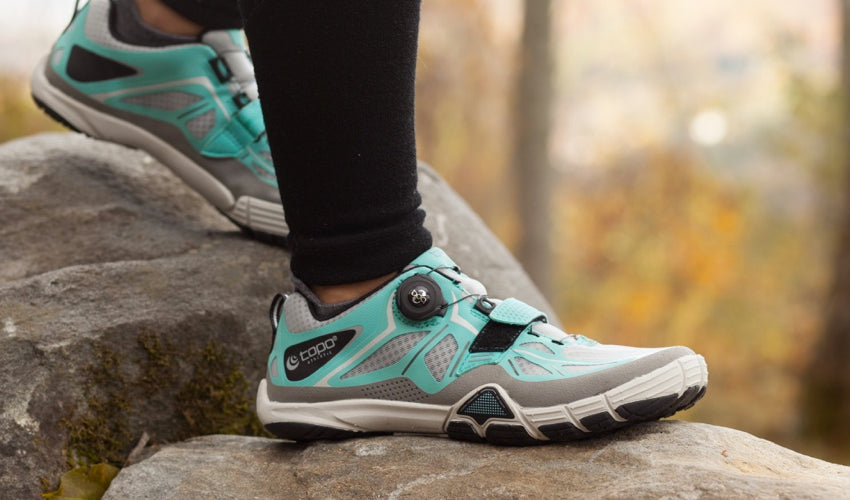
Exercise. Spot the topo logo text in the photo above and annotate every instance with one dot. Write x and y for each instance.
(303, 359)
(316, 350)
(312, 353)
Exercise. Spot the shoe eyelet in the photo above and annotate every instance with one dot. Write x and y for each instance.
(484, 305)
(241, 100)
(220, 69)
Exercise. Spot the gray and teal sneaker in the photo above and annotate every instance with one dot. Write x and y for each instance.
(429, 352)
(193, 106)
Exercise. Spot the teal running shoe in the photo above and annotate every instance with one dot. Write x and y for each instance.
(192, 106)
(430, 352)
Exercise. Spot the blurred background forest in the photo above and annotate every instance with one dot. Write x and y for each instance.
(685, 167)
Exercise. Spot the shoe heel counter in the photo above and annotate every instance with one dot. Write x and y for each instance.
(73, 34)
(275, 311)
(76, 27)
(275, 316)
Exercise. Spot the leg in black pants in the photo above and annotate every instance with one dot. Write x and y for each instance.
(336, 82)
(337, 85)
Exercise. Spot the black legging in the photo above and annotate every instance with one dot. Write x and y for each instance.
(336, 80)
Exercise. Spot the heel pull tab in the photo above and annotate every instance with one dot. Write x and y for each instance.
(275, 311)
(74, 15)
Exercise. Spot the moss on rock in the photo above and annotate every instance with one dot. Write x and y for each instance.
(216, 399)
(201, 383)
(100, 433)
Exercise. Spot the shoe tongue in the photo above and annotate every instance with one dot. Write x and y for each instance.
(230, 46)
(436, 259)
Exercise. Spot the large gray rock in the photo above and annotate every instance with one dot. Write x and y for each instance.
(656, 460)
(128, 305)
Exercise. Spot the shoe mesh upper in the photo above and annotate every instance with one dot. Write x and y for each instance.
(537, 346)
(201, 125)
(389, 354)
(529, 368)
(397, 389)
(437, 359)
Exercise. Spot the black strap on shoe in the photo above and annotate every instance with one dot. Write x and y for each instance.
(508, 320)
(496, 337)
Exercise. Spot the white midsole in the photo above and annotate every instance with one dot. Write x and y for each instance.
(373, 415)
(355, 414)
(248, 211)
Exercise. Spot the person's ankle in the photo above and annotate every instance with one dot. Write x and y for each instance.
(334, 294)
(164, 18)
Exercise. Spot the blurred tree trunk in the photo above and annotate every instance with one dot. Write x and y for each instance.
(827, 386)
(532, 168)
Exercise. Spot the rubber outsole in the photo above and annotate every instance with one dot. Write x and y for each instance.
(259, 219)
(55, 116)
(508, 423)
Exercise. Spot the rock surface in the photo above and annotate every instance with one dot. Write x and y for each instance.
(657, 460)
(128, 305)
